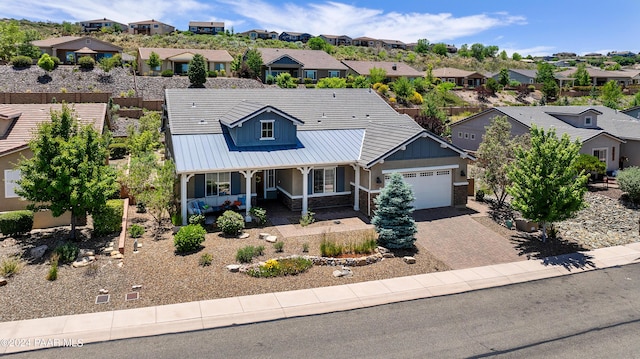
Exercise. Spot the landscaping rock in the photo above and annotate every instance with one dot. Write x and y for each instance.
(344, 272)
(264, 235)
(82, 262)
(3, 281)
(271, 239)
(104, 291)
(118, 255)
(107, 250)
(39, 251)
(233, 268)
(409, 260)
(244, 236)
(86, 253)
(136, 287)
(388, 255)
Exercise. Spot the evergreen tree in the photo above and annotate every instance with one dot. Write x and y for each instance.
(377, 75)
(197, 71)
(611, 94)
(422, 47)
(403, 88)
(392, 219)
(504, 77)
(546, 187)
(154, 61)
(68, 170)
(582, 76)
(46, 63)
(253, 60)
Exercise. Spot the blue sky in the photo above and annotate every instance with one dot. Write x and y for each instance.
(534, 27)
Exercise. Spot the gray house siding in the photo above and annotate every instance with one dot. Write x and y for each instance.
(630, 150)
(249, 134)
(579, 121)
(468, 134)
(607, 143)
(516, 76)
(422, 148)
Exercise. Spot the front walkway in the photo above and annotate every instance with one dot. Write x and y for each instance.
(341, 219)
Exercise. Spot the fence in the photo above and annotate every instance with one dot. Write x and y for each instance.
(78, 97)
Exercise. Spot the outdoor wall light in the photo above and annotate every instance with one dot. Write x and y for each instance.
(378, 180)
(462, 174)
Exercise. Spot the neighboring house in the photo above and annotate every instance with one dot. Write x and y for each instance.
(150, 27)
(600, 77)
(336, 40)
(393, 69)
(206, 27)
(177, 60)
(260, 34)
(312, 64)
(633, 112)
(527, 77)
(364, 41)
(294, 36)
(621, 53)
(306, 149)
(70, 48)
(17, 125)
(607, 134)
(391, 44)
(459, 77)
(97, 25)
(565, 55)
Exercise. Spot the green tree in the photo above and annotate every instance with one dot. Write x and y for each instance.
(440, 49)
(154, 62)
(496, 153)
(504, 77)
(159, 197)
(464, 51)
(145, 138)
(403, 89)
(317, 43)
(422, 47)
(516, 56)
(253, 59)
(504, 56)
(611, 94)
(392, 218)
(586, 164)
(545, 184)
(138, 179)
(285, 81)
(10, 35)
(432, 116)
(582, 75)
(29, 50)
(377, 75)
(636, 100)
(46, 63)
(68, 170)
(197, 71)
(629, 181)
(490, 51)
(477, 51)
(362, 82)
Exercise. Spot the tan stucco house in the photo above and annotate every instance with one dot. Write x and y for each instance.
(177, 60)
(70, 48)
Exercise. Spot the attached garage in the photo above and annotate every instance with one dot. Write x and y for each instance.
(431, 187)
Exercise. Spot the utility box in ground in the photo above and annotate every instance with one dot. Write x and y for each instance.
(526, 226)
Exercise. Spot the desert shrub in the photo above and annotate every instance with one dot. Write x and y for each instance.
(310, 86)
(480, 195)
(56, 61)
(189, 238)
(230, 223)
(108, 219)
(11, 266)
(86, 63)
(270, 79)
(308, 81)
(67, 252)
(117, 150)
(212, 73)
(416, 98)
(305, 247)
(141, 207)
(176, 219)
(383, 89)
(136, 231)
(260, 214)
(167, 73)
(279, 247)
(281, 267)
(629, 181)
(222, 73)
(307, 219)
(21, 62)
(53, 271)
(16, 222)
(246, 254)
(205, 259)
(197, 219)
(330, 248)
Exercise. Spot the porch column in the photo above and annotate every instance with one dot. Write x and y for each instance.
(247, 185)
(184, 179)
(356, 194)
(305, 188)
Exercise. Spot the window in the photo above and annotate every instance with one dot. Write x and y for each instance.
(601, 153)
(155, 26)
(324, 180)
(473, 136)
(310, 74)
(459, 134)
(270, 179)
(88, 41)
(266, 132)
(466, 135)
(587, 121)
(218, 184)
(613, 153)
(333, 73)
(10, 178)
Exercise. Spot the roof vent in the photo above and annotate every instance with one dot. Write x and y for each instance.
(193, 104)
(202, 122)
(353, 116)
(334, 95)
(323, 115)
(367, 115)
(394, 67)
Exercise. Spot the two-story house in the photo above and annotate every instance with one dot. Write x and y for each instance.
(98, 24)
(610, 135)
(336, 40)
(150, 27)
(304, 149)
(206, 27)
(260, 34)
(311, 64)
(290, 36)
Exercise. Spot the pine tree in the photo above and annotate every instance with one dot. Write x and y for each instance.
(392, 219)
(546, 185)
(197, 71)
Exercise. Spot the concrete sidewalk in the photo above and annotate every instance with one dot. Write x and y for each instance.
(42, 333)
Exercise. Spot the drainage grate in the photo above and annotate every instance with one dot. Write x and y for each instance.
(132, 296)
(102, 299)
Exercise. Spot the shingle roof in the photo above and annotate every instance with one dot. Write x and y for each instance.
(164, 53)
(56, 41)
(206, 23)
(444, 72)
(152, 21)
(402, 69)
(310, 59)
(321, 110)
(34, 114)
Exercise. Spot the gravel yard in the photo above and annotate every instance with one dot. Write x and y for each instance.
(168, 278)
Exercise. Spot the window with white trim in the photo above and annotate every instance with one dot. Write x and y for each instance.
(324, 180)
(310, 74)
(466, 135)
(601, 153)
(10, 185)
(459, 134)
(266, 130)
(473, 136)
(270, 179)
(218, 184)
(587, 121)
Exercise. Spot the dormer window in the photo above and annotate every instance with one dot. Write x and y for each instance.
(266, 132)
(588, 121)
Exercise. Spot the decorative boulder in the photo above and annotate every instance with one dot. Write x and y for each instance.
(409, 260)
(39, 251)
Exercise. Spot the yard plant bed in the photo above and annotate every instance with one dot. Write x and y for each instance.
(168, 278)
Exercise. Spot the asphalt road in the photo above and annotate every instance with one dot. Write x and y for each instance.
(591, 315)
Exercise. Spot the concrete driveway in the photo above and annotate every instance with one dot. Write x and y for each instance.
(454, 237)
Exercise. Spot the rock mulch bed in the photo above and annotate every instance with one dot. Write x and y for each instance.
(167, 278)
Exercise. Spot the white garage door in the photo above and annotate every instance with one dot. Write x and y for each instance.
(431, 188)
